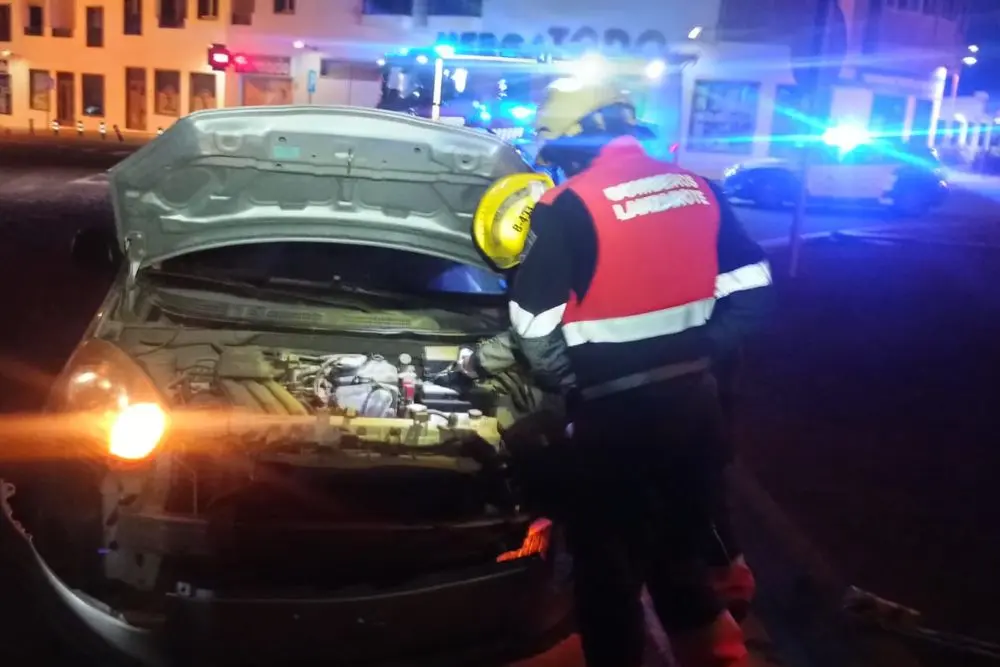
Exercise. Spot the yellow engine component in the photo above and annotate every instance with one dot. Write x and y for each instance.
(502, 221)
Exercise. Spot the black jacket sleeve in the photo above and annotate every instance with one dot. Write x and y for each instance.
(744, 291)
(542, 288)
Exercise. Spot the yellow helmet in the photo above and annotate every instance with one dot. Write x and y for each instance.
(570, 102)
(502, 221)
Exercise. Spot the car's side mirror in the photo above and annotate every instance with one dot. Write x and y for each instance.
(96, 248)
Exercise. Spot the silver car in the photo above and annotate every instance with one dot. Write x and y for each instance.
(259, 452)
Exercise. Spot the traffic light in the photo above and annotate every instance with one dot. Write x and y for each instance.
(219, 57)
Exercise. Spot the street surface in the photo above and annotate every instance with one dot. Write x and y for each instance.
(868, 405)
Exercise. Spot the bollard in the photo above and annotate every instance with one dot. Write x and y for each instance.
(103, 129)
(79, 128)
(31, 126)
(118, 132)
(55, 127)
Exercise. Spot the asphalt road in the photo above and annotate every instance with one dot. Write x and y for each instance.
(885, 460)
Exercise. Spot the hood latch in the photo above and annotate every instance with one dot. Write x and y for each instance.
(135, 251)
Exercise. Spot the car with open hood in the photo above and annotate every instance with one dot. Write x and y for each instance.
(259, 452)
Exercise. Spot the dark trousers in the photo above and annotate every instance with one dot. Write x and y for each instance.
(727, 373)
(645, 487)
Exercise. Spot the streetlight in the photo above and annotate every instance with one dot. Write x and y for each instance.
(956, 75)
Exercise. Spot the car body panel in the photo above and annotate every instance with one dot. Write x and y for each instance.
(866, 174)
(342, 174)
(255, 175)
(515, 609)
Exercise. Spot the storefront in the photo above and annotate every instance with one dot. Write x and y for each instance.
(6, 95)
(270, 82)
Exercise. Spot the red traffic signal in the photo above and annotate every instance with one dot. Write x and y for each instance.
(219, 57)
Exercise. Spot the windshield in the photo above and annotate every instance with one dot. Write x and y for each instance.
(333, 266)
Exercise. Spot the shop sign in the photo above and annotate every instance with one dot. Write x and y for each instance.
(271, 65)
(562, 40)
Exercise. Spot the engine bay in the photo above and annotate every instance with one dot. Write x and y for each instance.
(396, 392)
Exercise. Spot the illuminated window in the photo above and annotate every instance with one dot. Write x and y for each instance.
(167, 92)
(39, 85)
(203, 92)
(93, 94)
(724, 116)
(6, 103)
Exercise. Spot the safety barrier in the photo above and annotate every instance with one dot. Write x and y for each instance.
(81, 131)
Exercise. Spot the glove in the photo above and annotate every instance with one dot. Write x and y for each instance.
(520, 393)
(466, 363)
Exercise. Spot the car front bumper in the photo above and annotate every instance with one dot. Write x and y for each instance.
(482, 616)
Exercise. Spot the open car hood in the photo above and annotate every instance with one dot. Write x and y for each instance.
(307, 173)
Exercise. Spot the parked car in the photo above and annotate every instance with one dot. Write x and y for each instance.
(261, 456)
(908, 180)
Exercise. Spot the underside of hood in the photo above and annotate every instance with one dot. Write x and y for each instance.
(307, 173)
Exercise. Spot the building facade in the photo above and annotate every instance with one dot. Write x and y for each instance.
(891, 59)
(141, 64)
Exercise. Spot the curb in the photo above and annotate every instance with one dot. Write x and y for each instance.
(800, 589)
(875, 236)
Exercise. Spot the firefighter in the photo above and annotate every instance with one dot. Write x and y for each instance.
(633, 275)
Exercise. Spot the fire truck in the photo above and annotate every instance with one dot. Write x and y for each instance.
(500, 93)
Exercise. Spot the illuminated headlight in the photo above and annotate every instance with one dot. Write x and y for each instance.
(112, 402)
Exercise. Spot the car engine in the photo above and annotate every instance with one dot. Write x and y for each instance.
(291, 432)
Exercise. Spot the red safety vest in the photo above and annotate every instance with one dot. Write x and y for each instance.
(657, 260)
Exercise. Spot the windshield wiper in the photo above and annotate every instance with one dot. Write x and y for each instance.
(253, 289)
(437, 300)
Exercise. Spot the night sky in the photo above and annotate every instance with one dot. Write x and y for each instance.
(984, 31)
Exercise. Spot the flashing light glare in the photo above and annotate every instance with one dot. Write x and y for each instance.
(460, 78)
(404, 51)
(522, 112)
(298, 44)
(970, 60)
(591, 68)
(656, 69)
(444, 50)
(695, 32)
(846, 137)
(380, 62)
(220, 58)
(421, 59)
(136, 431)
(485, 115)
(241, 61)
(567, 84)
(973, 48)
